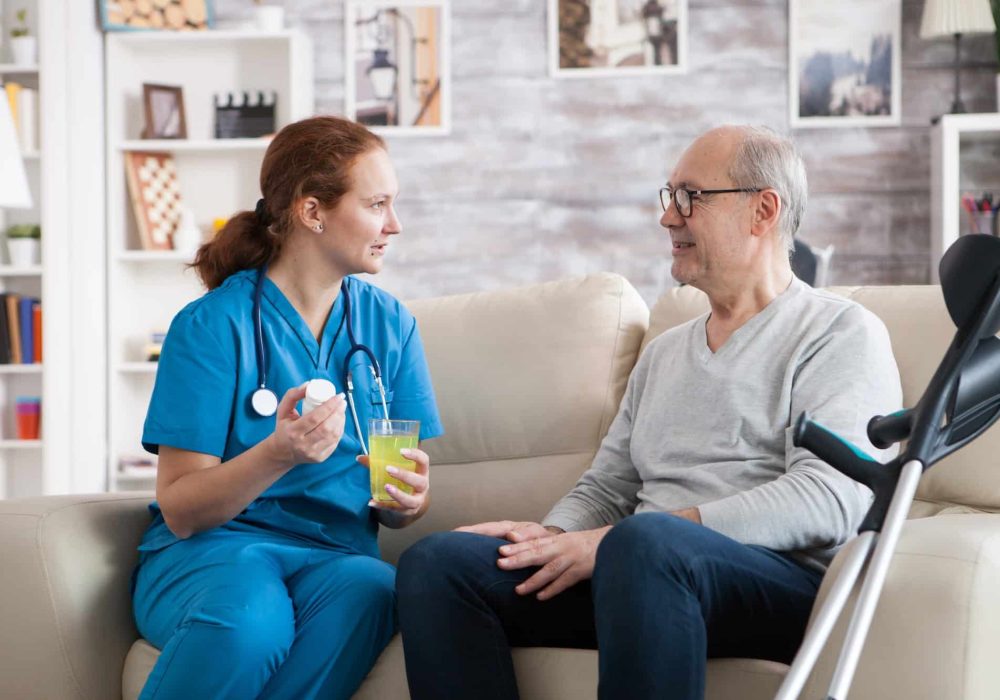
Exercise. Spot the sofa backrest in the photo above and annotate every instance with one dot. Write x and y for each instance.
(920, 330)
(527, 381)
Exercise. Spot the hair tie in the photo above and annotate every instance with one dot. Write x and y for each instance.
(260, 211)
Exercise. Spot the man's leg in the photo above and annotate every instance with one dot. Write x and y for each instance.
(459, 616)
(669, 593)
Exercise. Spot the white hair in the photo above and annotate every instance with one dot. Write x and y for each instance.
(766, 159)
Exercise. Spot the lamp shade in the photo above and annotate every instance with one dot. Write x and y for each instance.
(950, 17)
(14, 192)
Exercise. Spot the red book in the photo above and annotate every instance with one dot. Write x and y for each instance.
(36, 311)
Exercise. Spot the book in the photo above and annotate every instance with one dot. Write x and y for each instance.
(26, 318)
(36, 317)
(28, 120)
(5, 356)
(14, 327)
(14, 98)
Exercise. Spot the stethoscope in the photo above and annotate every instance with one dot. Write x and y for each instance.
(265, 402)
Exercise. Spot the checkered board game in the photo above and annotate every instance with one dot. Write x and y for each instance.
(156, 197)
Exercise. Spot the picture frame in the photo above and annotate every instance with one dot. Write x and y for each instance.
(163, 108)
(845, 63)
(155, 194)
(598, 38)
(164, 15)
(398, 65)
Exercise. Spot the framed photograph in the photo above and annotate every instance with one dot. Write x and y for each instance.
(398, 75)
(844, 62)
(152, 15)
(590, 38)
(163, 106)
(156, 197)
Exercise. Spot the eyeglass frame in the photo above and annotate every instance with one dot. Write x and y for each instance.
(695, 193)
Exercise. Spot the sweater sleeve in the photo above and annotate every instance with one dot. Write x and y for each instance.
(843, 378)
(607, 492)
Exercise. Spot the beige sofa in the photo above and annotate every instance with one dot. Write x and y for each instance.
(528, 381)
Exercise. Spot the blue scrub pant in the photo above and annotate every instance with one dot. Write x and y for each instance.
(246, 615)
(666, 595)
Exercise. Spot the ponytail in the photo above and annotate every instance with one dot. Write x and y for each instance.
(243, 243)
(309, 158)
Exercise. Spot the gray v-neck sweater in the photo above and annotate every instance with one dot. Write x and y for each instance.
(714, 430)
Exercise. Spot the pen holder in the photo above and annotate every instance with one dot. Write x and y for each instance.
(983, 221)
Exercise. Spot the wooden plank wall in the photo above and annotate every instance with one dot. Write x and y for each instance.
(543, 178)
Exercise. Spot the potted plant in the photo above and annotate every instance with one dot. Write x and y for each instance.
(270, 18)
(22, 44)
(23, 244)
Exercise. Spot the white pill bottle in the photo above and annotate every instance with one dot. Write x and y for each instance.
(318, 391)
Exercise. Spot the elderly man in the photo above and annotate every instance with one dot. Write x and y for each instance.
(699, 530)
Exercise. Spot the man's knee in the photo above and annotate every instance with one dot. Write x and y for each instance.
(442, 560)
(647, 541)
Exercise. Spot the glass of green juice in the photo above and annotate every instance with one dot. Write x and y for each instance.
(385, 439)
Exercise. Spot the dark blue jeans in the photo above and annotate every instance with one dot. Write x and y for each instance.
(666, 595)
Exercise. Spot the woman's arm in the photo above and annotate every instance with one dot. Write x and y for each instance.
(197, 491)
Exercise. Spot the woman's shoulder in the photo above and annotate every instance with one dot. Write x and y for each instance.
(367, 295)
(217, 308)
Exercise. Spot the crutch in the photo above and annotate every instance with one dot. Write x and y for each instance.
(961, 401)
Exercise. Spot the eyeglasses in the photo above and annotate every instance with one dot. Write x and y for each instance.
(683, 197)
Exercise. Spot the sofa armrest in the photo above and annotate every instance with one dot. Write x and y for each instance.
(66, 621)
(936, 630)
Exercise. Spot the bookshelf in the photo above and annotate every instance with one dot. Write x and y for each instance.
(217, 177)
(45, 466)
(964, 150)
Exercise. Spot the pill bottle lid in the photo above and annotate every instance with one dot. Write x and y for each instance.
(320, 390)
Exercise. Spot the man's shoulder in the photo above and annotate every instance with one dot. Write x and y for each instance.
(825, 311)
(673, 337)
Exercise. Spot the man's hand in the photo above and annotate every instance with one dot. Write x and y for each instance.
(566, 559)
(692, 514)
(510, 530)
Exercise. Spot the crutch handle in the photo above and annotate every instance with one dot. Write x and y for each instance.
(851, 461)
(884, 431)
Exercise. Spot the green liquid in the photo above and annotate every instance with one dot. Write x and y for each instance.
(383, 452)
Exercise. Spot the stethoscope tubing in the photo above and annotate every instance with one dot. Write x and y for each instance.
(355, 347)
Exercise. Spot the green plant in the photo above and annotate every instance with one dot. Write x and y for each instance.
(22, 18)
(24, 231)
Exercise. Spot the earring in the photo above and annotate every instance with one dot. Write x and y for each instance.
(318, 228)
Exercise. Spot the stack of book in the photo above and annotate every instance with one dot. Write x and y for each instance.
(24, 109)
(20, 330)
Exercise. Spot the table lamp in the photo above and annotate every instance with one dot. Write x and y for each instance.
(955, 18)
(14, 191)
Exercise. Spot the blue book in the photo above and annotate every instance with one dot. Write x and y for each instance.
(27, 332)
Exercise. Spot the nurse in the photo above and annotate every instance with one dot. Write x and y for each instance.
(260, 575)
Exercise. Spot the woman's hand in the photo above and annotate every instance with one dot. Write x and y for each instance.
(405, 507)
(311, 438)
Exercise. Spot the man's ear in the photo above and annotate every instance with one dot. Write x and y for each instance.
(766, 212)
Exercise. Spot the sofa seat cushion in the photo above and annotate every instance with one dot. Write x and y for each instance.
(542, 674)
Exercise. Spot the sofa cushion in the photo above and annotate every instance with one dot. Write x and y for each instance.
(545, 673)
(920, 330)
(527, 382)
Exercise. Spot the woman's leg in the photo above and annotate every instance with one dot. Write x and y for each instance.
(344, 616)
(217, 608)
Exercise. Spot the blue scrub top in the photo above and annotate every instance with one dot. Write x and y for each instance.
(208, 371)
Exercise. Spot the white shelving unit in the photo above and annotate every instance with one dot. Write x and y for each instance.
(217, 177)
(34, 467)
(949, 137)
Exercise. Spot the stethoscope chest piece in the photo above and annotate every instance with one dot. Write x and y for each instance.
(264, 402)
